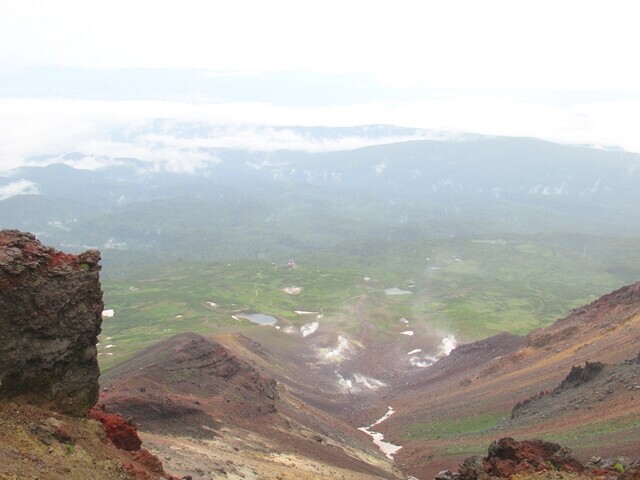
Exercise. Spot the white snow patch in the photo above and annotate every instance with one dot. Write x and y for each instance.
(404, 320)
(292, 290)
(305, 312)
(413, 352)
(110, 346)
(366, 279)
(309, 328)
(389, 449)
(212, 304)
(407, 332)
(179, 316)
(108, 313)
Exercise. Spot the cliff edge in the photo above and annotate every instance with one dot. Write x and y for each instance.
(50, 318)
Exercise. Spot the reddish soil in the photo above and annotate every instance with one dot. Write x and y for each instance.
(122, 433)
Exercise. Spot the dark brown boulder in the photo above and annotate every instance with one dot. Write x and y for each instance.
(50, 317)
(507, 457)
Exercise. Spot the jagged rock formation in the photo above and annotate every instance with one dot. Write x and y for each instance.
(50, 317)
(579, 375)
(582, 389)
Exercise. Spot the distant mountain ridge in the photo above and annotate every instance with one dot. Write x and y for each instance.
(401, 191)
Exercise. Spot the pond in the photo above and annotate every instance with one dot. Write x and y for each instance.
(259, 318)
(397, 291)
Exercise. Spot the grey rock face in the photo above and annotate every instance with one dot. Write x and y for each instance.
(50, 317)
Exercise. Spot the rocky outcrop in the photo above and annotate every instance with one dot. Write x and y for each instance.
(50, 317)
(507, 457)
(580, 375)
(122, 433)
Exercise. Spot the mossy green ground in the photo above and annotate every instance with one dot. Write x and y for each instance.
(470, 434)
(472, 287)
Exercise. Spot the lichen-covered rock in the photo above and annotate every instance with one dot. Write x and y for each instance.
(50, 317)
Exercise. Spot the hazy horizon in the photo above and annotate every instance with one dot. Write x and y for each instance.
(77, 77)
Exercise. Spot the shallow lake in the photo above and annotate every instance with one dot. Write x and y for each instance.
(397, 291)
(259, 318)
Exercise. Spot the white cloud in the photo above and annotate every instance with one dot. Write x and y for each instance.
(19, 187)
(106, 129)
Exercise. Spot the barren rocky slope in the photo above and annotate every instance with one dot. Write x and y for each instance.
(465, 401)
(205, 410)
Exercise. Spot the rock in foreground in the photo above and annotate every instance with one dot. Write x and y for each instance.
(538, 459)
(50, 317)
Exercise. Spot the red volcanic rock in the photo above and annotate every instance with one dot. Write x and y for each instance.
(147, 466)
(50, 317)
(123, 434)
(507, 457)
(151, 462)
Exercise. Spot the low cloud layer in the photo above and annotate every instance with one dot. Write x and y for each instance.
(20, 187)
(184, 137)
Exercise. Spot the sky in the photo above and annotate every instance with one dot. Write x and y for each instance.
(92, 77)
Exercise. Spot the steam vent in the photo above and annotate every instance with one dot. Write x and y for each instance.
(50, 317)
